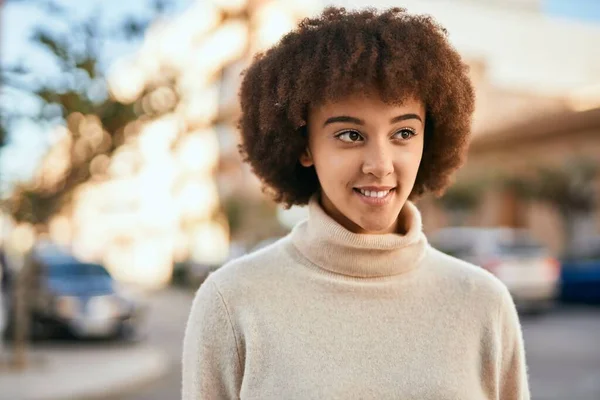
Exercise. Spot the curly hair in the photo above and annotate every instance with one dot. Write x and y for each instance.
(343, 52)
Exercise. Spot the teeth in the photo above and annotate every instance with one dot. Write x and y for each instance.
(374, 194)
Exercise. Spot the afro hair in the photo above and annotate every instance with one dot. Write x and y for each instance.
(339, 53)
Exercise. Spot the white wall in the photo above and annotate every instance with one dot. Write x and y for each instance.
(523, 48)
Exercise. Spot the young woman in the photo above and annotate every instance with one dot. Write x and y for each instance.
(355, 113)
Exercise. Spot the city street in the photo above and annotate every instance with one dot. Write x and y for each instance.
(144, 144)
(168, 312)
(563, 354)
(562, 349)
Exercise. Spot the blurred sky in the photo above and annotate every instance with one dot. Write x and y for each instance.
(585, 10)
(29, 142)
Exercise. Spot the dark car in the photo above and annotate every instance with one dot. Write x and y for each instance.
(80, 298)
(580, 278)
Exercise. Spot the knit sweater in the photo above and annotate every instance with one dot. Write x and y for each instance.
(325, 313)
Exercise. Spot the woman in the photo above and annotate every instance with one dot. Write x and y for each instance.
(355, 114)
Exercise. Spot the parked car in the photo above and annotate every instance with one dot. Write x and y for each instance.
(580, 281)
(72, 296)
(580, 275)
(513, 255)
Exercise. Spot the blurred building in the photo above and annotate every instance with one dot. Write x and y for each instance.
(537, 83)
(553, 140)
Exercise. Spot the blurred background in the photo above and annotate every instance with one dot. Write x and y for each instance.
(122, 188)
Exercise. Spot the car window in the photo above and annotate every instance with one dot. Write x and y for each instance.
(77, 270)
(519, 244)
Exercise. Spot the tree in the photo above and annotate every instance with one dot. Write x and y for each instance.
(461, 199)
(79, 96)
(77, 92)
(571, 190)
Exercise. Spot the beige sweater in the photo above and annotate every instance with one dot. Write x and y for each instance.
(328, 314)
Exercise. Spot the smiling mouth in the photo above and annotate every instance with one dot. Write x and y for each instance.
(374, 194)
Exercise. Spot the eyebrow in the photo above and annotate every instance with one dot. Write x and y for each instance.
(358, 121)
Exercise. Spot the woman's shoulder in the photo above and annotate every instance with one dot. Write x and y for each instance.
(258, 267)
(472, 281)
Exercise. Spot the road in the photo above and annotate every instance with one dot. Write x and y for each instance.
(562, 348)
(166, 320)
(563, 354)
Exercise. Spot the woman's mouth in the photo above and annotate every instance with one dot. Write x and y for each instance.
(375, 196)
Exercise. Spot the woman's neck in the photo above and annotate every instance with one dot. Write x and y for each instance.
(332, 247)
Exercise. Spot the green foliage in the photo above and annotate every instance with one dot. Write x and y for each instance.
(34, 206)
(568, 189)
(463, 195)
(234, 210)
(3, 133)
(77, 55)
(59, 46)
(251, 220)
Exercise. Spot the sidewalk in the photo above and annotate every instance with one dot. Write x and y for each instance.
(80, 372)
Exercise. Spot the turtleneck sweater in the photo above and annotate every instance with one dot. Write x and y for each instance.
(325, 313)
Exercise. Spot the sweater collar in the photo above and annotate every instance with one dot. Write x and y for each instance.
(330, 246)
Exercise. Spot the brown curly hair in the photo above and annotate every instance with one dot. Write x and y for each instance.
(343, 52)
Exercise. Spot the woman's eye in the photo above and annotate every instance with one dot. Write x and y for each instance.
(406, 133)
(349, 136)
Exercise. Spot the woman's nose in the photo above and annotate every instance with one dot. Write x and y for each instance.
(378, 161)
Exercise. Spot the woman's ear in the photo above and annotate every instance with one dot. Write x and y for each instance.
(306, 158)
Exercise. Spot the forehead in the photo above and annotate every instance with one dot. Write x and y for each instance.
(366, 105)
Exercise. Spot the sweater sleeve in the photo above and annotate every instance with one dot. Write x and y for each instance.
(513, 382)
(211, 364)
